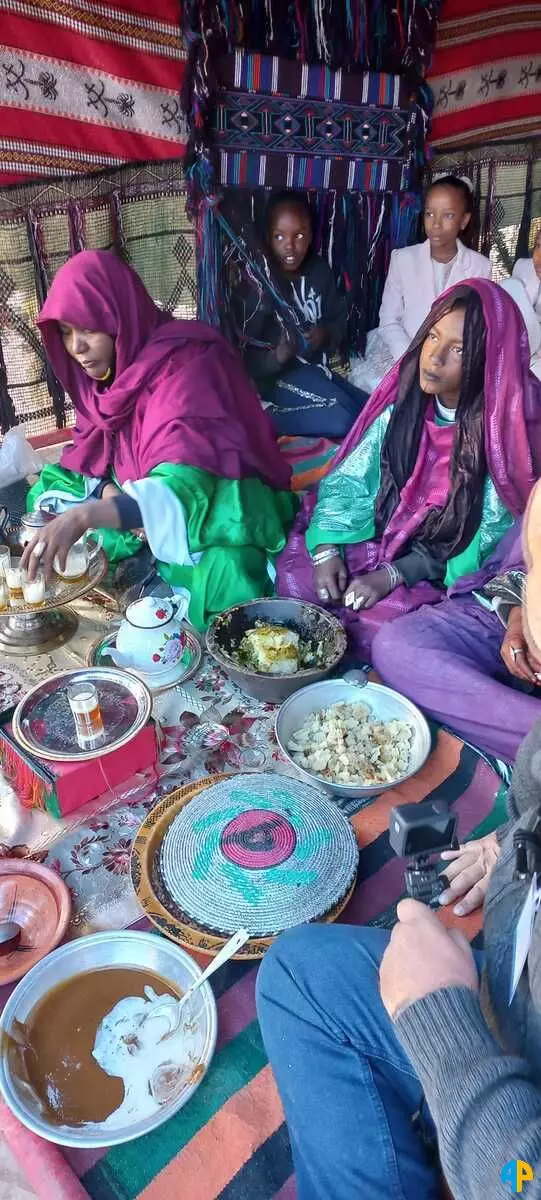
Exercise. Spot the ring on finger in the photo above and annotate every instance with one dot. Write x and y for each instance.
(323, 593)
(358, 602)
(515, 651)
(39, 549)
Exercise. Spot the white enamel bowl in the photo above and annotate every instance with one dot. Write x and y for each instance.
(147, 951)
(385, 705)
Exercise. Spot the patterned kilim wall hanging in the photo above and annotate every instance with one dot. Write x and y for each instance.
(353, 138)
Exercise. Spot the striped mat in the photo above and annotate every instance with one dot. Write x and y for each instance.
(309, 459)
(231, 1143)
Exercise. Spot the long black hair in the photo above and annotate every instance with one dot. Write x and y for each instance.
(444, 531)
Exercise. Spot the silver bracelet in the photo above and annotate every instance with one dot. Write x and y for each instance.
(395, 577)
(324, 556)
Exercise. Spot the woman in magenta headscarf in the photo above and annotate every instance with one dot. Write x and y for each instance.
(169, 437)
(437, 467)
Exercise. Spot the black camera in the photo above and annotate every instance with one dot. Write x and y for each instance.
(418, 832)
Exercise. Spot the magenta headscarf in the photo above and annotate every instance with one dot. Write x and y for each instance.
(180, 393)
(512, 394)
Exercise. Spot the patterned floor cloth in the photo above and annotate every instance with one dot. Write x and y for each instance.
(231, 1142)
(309, 459)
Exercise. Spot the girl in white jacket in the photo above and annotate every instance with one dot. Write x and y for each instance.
(528, 270)
(419, 274)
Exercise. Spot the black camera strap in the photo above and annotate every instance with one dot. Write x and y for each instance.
(527, 847)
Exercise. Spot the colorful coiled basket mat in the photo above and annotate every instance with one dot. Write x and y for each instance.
(259, 851)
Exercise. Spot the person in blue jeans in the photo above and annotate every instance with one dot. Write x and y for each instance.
(396, 1052)
(352, 1098)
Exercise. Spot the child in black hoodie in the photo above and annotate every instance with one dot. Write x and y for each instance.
(302, 395)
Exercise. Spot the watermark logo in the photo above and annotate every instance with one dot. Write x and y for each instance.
(516, 1173)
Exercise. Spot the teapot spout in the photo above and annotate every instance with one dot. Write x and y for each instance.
(119, 659)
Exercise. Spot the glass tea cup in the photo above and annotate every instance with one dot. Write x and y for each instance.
(85, 708)
(5, 560)
(34, 589)
(79, 558)
(14, 580)
(4, 595)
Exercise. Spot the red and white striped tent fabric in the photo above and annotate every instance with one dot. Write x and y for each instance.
(86, 85)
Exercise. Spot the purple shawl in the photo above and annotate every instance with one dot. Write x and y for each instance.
(179, 396)
(512, 394)
(512, 437)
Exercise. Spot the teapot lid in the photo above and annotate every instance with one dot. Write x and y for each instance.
(150, 612)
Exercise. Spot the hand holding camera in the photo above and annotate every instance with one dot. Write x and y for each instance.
(422, 957)
(468, 871)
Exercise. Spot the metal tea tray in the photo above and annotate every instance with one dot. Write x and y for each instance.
(44, 725)
(35, 629)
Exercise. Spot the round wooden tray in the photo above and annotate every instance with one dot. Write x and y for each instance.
(183, 930)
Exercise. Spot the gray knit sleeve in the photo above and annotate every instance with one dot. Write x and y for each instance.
(525, 790)
(485, 1104)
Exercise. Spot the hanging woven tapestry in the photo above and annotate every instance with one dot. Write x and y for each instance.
(326, 98)
(279, 123)
(378, 35)
(354, 142)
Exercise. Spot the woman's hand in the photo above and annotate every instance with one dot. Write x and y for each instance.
(54, 539)
(365, 590)
(330, 578)
(469, 871)
(514, 650)
(285, 350)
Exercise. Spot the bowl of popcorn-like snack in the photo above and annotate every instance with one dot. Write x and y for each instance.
(353, 740)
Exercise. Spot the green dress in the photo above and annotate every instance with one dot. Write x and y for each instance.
(345, 508)
(237, 526)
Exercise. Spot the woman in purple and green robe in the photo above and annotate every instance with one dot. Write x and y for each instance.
(434, 472)
(170, 442)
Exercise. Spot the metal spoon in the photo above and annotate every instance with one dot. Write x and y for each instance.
(10, 936)
(231, 947)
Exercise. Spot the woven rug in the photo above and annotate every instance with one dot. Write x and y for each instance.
(309, 458)
(486, 73)
(231, 1142)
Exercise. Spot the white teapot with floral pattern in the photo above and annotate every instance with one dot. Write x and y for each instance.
(151, 638)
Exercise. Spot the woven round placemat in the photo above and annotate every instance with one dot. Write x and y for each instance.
(158, 905)
(258, 851)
